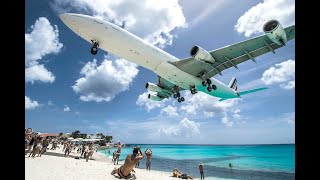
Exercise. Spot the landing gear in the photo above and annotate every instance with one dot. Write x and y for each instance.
(180, 99)
(208, 83)
(193, 90)
(94, 49)
(176, 95)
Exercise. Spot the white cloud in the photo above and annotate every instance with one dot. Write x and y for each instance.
(104, 82)
(185, 128)
(162, 16)
(282, 73)
(236, 114)
(29, 104)
(147, 103)
(206, 104)
(226, 121)
(252, 21)
(38, 73)
(41, 41)
(170, 111)
(66, 108)
(289, 118)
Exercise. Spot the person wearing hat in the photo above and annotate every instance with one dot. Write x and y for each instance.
(201, 170)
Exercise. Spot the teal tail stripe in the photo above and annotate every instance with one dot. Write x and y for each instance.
(251, 91)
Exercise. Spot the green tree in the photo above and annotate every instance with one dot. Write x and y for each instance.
(75, 134)
(108, 139)
(102, 136)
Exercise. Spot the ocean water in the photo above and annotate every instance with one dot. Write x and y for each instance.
(248, 161)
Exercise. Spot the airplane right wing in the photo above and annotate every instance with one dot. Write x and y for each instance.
(232, 55)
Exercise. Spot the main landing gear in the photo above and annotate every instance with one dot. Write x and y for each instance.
(208, 83)
(177, 95)
(193, 90)
(94, 48)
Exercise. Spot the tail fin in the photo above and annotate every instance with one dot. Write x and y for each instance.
(251, 91)
(233, 84)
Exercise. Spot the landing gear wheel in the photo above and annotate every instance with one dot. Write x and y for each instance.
(214, 87)
(175, 96)
(178, 95)
(182, 99)
(204, 83)
(209, 88)
(209, 81)
(193, 91)
(179, 100)
(94, 50)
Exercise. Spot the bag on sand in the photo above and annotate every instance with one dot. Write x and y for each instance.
(184, 176)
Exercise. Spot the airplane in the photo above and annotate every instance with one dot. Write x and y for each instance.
(194, 73)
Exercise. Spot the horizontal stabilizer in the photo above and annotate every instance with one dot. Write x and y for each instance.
(251, 91)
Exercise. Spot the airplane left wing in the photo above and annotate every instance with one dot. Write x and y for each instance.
(232, 55)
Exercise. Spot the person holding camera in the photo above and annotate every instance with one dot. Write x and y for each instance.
(124, 171)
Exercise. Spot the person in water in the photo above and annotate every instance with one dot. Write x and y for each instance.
(124, 171)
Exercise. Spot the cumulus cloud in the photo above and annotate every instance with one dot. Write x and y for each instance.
(209, 106)
(38, 73)
(170, 111)
(185, 128)
(29, 104)
(162, 16)
(147, 103)
(104, 82)
(226, 121)
(66, 108)
(41, 41)
(283, 73)
(206, 104)
(252, 21)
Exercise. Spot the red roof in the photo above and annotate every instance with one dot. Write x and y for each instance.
(49, 134)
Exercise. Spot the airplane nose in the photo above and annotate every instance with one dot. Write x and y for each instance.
(65, 18)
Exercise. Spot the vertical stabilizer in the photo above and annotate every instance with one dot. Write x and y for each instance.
(233, 84)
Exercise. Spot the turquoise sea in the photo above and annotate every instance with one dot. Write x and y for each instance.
(248, 161)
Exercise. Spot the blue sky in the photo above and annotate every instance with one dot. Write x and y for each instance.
(69, 89)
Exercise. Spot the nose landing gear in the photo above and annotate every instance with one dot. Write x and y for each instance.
(95, 45)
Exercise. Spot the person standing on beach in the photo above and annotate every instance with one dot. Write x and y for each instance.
(148, 152)
(201, 170)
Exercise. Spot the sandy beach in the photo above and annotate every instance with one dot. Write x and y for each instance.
(53, 165)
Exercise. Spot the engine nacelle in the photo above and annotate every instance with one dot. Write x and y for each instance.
(153, 87)
(275, 32)
(200, 54)
(154, 98)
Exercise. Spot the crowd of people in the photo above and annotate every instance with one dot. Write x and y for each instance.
(36, 145)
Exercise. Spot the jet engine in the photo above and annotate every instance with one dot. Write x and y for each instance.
(154, 98)
(153, 87)
(200, 54)
(275, 32)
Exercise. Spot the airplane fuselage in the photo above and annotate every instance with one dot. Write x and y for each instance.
(124, 44)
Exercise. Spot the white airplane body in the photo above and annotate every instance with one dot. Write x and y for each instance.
(118, 41)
